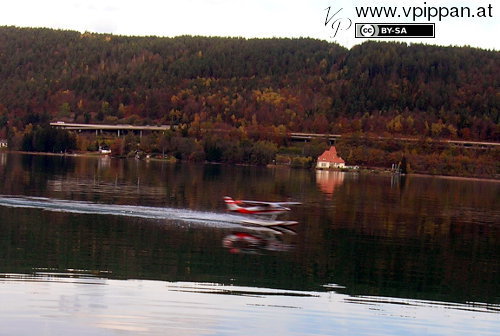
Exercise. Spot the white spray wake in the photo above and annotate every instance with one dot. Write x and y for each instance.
(82, 207)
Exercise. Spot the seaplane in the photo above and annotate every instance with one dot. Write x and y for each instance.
(258, 209)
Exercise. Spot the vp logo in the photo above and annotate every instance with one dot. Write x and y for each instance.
(340, 23)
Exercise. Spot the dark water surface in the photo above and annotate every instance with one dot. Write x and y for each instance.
(100, 246)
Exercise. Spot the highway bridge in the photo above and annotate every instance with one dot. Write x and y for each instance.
(119, 129)
(311, 136)
(123, 129)
(333, 137)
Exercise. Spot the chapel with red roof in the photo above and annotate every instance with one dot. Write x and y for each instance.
(330, 159)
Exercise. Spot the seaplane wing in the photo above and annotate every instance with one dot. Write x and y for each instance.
(275, 204)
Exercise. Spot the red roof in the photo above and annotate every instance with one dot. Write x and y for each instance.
(331, 156)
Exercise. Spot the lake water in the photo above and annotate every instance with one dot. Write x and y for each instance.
(101, 246)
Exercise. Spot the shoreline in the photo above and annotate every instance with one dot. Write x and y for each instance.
(449, 177)
(362, 170)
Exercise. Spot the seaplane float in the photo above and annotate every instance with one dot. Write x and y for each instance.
(262, 214)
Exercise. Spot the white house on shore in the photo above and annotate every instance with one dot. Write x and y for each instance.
(104, 150)
(330, 159)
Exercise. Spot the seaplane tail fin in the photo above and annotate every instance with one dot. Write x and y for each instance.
(230, 203)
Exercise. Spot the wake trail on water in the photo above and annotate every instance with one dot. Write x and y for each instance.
(83, 207)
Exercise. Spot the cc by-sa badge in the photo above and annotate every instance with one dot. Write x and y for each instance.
(367, 30)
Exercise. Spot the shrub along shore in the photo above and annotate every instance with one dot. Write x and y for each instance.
(426, 156)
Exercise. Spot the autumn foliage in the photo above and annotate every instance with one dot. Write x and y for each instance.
(254, 91)
(300, 84)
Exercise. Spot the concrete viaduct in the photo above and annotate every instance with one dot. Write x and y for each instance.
(124, 129)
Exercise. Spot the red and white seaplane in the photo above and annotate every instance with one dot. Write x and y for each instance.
(258, 208)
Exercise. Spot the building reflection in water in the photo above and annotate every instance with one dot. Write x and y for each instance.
(103, 163)
(3, 159)
(328, 180)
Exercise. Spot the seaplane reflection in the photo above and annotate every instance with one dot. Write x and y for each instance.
(247, 242)
(264, 232)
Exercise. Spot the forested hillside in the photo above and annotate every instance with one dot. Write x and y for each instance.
(251, 84)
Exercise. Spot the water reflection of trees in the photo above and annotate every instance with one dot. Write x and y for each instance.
(454, 270)
(431, 238)
(426, 238)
